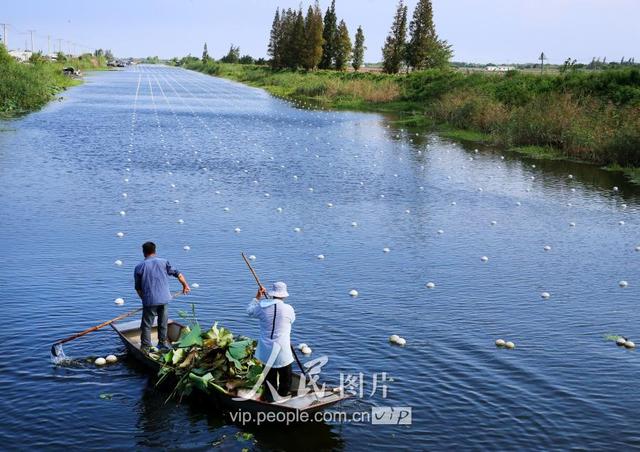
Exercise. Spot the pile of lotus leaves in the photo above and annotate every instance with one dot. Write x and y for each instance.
(212, 360)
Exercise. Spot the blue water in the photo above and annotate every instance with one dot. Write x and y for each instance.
(223, 144)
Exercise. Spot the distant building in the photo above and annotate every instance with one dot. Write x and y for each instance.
(499, 68)
(21, 55)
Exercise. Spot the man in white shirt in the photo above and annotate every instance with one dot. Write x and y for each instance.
(274, 345)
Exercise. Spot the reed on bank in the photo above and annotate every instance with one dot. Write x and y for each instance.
(590, 115)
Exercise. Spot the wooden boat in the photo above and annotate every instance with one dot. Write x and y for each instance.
(307, 403)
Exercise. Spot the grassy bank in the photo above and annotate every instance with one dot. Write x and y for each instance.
(590, 116)
(26, 87)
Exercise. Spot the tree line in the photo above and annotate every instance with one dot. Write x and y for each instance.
(312, 41)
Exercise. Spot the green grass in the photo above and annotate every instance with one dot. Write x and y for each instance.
(25, 87)
(591, 116)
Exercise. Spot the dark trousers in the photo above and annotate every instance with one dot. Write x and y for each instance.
(148, 314)
(280, 380)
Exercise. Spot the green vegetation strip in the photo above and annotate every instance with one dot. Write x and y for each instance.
(591, 116)
(26, 87)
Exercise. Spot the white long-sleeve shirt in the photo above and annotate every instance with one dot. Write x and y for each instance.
(285, 315)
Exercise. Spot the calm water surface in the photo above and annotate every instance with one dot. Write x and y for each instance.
(63, 171)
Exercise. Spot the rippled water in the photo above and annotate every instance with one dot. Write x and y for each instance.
(223, 145)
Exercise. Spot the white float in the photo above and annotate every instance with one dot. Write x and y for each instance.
(100, 362)
(237, 230)
(621, 341)
(547, 248)
(500, 342)
(510, 345)
(186, 248)
(111, 359)
(386, 250)
(120, 234)
(353, 293)
(252, 257)
(484, 259)
(297, 230)
(118, 262)
(195, 285)
(320, 256)
(623, 284)
(180, 221)
(306, 350)
(630, 344)
(123, 213)
(354, 224)
(430, 285)
(119, 301)
(545, 295)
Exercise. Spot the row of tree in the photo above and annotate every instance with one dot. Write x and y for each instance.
(422, 49)
(312, 41)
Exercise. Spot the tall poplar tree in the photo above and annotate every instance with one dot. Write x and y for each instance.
(358, 50)
(329, 34)
(425, 49)
(274, 50)
(313, 28)
(343, 49)
(205, 54)
(394, 50)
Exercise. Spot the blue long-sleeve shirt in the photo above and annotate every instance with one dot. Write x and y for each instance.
(152, 279)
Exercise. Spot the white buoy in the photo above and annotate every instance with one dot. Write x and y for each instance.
(494, 222)
(252, 257)
(394, 338)
(518, 203)
(120, 234)
(329, 205)
(279, 210)
(570, 176)
(297, 230)
(306, 350)
(510, 345)
(354, 224)
(547, 248)
(180, 221)
(615, 188)
(545, 295)
(500, 343)
(637, 248)
(176, 201)
(353, 293)
(621, 341)
(430, 285)
(226, 209)
(453, 203)
(572, 224)
(100, 362)
(111, 359)
(630, 344)
(320, 256)
(401, 342)
(118, 262)
(623, 284)
(119, 301)
(301, 346)
(237, 230)
(621, 223)
(386, 250)
(440, 231)
(186, 248)
(267, 195)
(484, 259)
(122, 213)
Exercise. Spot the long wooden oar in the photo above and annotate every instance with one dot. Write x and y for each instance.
(295, 355)
(56, 348)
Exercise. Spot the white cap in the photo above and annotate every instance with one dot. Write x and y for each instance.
(279, 290)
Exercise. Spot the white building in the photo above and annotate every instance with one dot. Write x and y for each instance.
(21, 55)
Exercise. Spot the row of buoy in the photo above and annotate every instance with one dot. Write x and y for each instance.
(624, 342)
(505, 344)
(110, 359)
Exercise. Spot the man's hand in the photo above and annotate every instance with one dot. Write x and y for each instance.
(185, 287)
(262, 292)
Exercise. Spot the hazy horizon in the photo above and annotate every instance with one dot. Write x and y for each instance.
(494, 31)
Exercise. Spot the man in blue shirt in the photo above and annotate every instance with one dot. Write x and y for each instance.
(152, 284)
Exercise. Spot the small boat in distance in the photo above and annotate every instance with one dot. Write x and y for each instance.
(307, 402)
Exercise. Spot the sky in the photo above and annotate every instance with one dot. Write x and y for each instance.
(481, 31)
